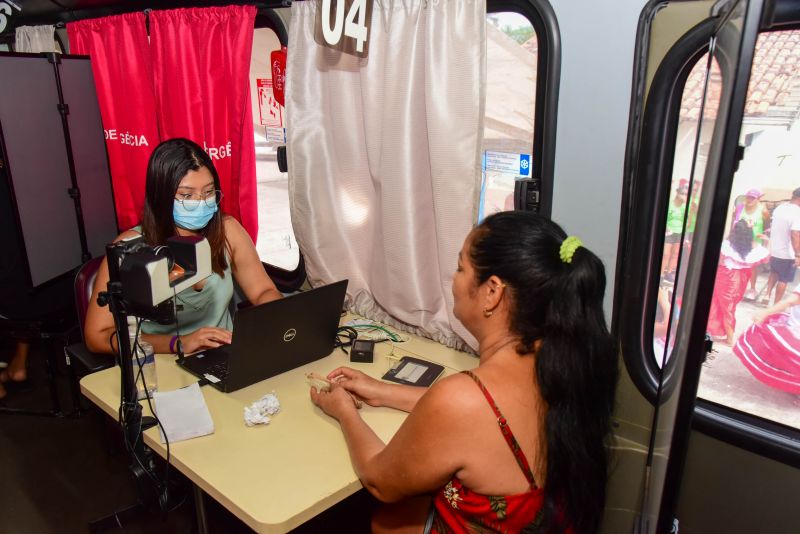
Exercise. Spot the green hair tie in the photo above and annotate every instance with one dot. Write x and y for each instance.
(568, 248)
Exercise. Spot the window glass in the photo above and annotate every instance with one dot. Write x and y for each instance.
(276, 243)
(511, 51)
(755, 311)
(699, 104)
(754, 317)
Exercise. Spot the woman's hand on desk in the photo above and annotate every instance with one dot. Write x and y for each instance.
(359, 384)
(208, 337)
(336, 403)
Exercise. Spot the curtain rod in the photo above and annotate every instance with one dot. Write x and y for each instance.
(147, 11)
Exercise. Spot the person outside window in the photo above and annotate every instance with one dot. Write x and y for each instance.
(784, 247)
(770, 347)
(674, 229)
(738, 260)
(757, 216)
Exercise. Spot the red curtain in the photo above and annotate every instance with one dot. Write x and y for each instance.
(201, 66)
(123, 76)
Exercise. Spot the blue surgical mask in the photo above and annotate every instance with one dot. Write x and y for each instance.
(195, 219)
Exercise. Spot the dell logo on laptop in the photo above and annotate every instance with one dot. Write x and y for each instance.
(289, 334)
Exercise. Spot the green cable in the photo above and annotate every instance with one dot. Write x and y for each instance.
(370, 327)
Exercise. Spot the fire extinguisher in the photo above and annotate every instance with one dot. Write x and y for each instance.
(278, 64)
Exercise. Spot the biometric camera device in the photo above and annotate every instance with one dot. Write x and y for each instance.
(152, 276)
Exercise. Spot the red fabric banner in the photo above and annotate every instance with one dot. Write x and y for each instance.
(123, 76)
(201, 60)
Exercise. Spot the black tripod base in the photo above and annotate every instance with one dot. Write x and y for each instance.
(140, 511)
(118, 518)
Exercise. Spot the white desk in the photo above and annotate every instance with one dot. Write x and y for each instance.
(274, 477)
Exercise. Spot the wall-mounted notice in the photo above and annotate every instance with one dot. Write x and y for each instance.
(270, 112)
(500, 171)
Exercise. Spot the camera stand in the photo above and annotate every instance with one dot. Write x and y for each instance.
(140, 285)
(152, 494)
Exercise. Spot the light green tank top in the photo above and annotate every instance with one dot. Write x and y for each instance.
(675, 217)
(207, 307)
(756, 220)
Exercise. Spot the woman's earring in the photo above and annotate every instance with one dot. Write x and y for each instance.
(487, 312)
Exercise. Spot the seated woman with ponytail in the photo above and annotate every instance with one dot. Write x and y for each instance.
(182, 196)
(518, 444)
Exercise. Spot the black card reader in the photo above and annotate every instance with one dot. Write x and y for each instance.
(362, 351)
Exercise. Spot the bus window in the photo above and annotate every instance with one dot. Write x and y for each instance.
(755, 328)
(511, 66)
(276, 243)
(695, 127)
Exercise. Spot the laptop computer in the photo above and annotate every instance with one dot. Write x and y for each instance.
(272, 338)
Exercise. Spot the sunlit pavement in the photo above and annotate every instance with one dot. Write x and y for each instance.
(276, 243)
(725, 380)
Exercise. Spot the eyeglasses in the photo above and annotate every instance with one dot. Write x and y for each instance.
(190, 201)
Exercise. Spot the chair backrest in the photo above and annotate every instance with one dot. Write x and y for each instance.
(84, 283)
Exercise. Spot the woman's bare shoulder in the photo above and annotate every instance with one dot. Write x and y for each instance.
(128, 234)
(231, 222)
(453, 394)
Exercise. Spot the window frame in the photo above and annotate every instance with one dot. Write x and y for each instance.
(287, 281)
(548, 74)
(652, 133)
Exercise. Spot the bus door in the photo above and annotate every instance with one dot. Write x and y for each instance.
(704, 190)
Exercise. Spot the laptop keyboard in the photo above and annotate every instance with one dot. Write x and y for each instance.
(218, 369)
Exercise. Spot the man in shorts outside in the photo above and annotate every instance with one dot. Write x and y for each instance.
(784, 246)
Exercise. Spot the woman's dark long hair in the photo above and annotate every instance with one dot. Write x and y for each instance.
(741, 238)
(169, 163)
(560, 306)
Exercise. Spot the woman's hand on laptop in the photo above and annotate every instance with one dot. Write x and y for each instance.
(208, 337)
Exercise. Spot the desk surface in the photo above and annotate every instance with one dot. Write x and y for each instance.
(274, 477)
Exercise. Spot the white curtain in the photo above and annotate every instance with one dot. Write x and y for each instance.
(35, 39)
(384, 157)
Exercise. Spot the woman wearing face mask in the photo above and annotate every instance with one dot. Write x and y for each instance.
(182, 196)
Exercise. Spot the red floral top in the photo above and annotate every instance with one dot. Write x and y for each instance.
(457, 509)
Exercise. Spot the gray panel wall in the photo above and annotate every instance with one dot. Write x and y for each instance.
(89, 149)
(37, 164)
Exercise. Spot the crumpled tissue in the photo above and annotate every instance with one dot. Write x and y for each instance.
(258, 413)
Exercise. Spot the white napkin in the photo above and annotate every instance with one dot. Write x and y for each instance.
(183, 413)
(258, 413)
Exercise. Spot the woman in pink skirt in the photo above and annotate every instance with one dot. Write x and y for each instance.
(770, 348)
(738, 259)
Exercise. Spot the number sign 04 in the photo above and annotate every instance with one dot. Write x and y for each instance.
(6, 12)
(344, 25)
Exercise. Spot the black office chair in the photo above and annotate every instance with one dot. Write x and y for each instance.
(288, 281)
(80, 360)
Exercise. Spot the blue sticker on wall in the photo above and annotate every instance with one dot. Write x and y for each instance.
(524, 165)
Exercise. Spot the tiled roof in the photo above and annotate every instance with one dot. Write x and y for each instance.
(774, 90)
(531, 45)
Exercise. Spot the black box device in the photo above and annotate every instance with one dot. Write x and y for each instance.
(362, 351)
(414, 372)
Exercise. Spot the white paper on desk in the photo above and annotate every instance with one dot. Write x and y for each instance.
(183, 413)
